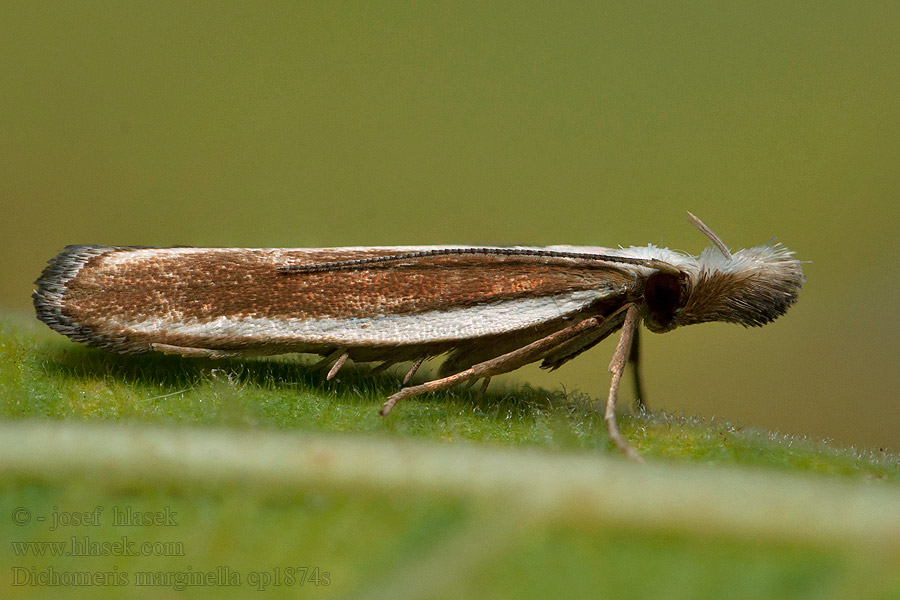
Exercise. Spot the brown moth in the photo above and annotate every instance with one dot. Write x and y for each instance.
(488, 310)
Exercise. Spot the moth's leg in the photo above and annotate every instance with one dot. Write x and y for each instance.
(634, 359)
(412, 370)
(337, 366)
(328, 359)
(203, 352)
(617, 367)
(501, 364)
(390, 363)
(482, 389)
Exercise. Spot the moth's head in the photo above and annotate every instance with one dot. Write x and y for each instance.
(753, 287)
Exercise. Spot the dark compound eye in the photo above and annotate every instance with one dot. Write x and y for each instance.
(664, 296)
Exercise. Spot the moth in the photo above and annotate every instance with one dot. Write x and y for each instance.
(486, 310)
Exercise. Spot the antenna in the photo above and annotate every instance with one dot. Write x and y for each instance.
(716, 240)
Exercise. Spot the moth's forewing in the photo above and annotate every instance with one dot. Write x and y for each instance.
(125, 299)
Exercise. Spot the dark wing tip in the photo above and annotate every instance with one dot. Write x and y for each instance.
(49, 297)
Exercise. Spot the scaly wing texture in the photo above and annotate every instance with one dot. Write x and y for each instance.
(234, 299)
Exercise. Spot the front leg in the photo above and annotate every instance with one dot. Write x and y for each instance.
(617, 367)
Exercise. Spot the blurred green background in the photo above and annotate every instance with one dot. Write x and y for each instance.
(328, 124)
